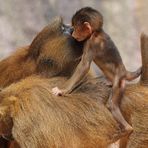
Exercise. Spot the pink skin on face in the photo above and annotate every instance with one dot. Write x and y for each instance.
(79, 37)
(80, 34)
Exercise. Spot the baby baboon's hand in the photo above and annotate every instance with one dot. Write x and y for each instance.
(58, 92)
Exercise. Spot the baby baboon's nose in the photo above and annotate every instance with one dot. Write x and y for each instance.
(74, 35)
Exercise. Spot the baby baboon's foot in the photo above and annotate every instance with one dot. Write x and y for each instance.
(124, 131)
(128, 129)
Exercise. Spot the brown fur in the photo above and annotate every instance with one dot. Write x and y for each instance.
(74, 121)
(51, 53)
(77, 121)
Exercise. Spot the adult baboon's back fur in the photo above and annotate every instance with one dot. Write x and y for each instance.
(43, 120)
(80, 120)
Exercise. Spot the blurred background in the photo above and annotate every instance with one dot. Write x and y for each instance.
(124, 20)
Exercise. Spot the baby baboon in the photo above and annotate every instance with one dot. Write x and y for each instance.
(99, 47)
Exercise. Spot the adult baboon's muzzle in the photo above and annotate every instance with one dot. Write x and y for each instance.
(67, 29)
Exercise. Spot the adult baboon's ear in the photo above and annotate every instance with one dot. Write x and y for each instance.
(55, 25)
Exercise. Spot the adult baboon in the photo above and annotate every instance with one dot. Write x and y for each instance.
(53, 52)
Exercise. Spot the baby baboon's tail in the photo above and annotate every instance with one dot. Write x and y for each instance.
(133, 75)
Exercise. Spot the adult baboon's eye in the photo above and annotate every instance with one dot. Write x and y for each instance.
(63, 28)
